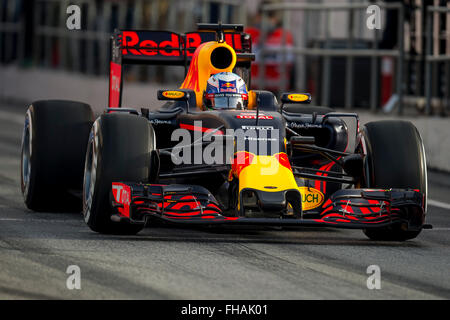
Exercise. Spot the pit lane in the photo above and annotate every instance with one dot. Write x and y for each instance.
(181, 263)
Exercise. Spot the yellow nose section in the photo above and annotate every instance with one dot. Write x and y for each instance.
(274, 174)
(265, 173)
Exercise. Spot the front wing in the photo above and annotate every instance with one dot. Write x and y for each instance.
(195, 205)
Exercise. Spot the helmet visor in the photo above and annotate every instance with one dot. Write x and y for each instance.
(227, 101)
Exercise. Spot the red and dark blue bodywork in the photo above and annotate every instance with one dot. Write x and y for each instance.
(323, 178)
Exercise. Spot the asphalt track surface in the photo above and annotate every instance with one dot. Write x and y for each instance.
(169, 263)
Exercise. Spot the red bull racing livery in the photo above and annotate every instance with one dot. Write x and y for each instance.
(263, 163)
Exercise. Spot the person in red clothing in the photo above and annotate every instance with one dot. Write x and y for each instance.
(274, 74)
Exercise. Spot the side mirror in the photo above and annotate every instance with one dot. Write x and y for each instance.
(174, 95)
(186, 95)
(300, 98)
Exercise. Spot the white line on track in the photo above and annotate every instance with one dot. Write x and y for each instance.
(439, 204)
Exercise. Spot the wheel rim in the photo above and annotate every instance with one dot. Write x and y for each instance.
(26, 155)
(90, 172)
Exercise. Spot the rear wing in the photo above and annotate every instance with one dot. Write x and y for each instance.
(169, 48)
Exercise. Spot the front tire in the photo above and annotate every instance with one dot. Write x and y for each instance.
(119, 149)
(395, 159)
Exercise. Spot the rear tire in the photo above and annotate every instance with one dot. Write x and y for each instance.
(395, 159)
(119, 149)
(52, 159)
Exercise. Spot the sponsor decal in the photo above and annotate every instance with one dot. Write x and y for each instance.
(170, 44)
(248, 115)
(303, 125)
(122, 194)
(173, 94)
(227, 86)
(189, 148)
(115, 74)
(158, 121)
(257, 127)
(311, 198)
(259, 139)
(220, 95)
(298, 97)
(131, 39)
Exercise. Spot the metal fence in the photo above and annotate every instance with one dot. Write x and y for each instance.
(350, 53)
(86, 50)
(11, 31)
(35, 33)
(437, 58)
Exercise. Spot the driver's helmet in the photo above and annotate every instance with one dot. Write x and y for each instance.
(225, 90)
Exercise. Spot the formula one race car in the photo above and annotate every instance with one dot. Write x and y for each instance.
(261, 163)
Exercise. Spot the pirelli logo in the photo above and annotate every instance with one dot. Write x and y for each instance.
(173, 94)
(298, 97)
(303, 98)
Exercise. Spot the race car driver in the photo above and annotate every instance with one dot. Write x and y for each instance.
(225, 90)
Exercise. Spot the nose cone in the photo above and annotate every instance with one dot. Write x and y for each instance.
(267, 173)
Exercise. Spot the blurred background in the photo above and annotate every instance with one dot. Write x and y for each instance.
(322, 47)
